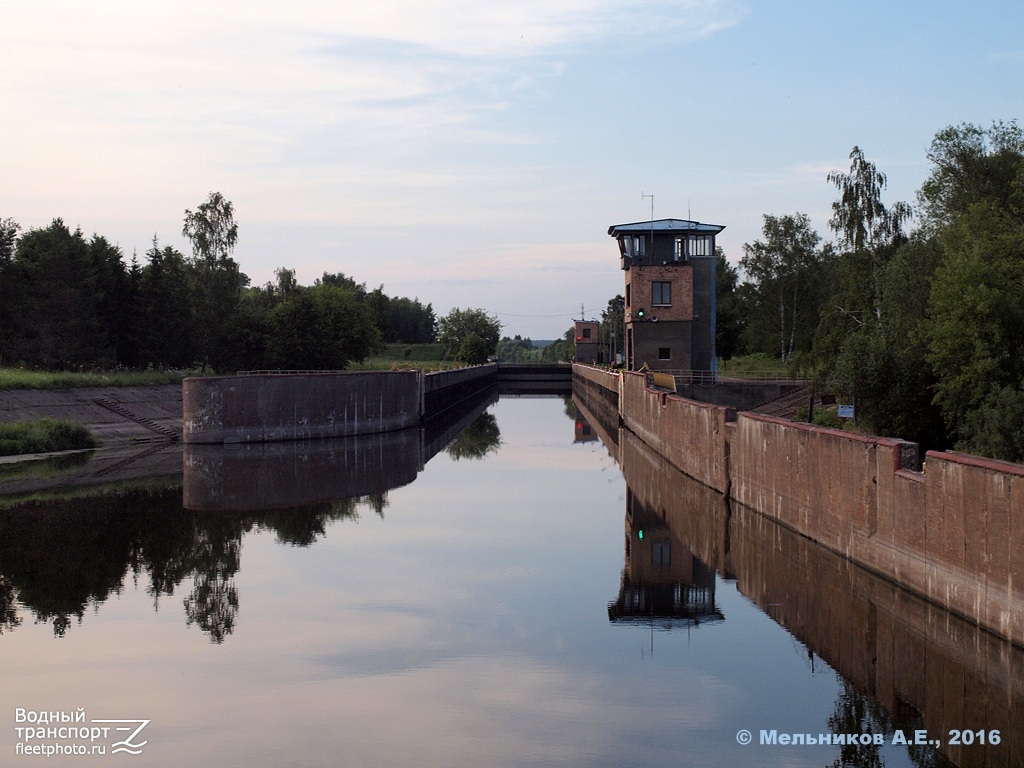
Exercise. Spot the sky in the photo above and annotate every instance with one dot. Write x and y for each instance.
(473, 154)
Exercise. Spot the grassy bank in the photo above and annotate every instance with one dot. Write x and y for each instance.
(419, 357)
(756, 366)
(43, 436)
(21, 378)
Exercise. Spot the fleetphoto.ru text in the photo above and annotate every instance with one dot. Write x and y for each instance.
(49, 733)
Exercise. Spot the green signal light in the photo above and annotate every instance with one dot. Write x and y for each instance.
(640, 533)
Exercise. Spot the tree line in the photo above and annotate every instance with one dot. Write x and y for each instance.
(71, 302)
(921, 326)
(915, 313)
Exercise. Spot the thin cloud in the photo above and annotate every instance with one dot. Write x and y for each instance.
(509, 29)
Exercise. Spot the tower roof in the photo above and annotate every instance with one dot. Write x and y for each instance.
(665, 226)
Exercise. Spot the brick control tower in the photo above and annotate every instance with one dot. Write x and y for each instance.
(669, 266)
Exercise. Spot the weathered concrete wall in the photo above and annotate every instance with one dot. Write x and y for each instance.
(587, 376)
(444, 389)
(819, 481)
(269, 407)
(952, 534)
(691, 435)
(598, 388)
(975, 525)
(272, 407)
(438, 380)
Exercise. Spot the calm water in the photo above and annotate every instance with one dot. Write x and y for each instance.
(497, 608)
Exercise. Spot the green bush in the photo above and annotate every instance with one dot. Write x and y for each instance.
(828, 419)
(43, 436)
(822, 417)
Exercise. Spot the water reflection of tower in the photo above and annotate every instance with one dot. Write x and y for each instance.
(583, 432)
(662, 581)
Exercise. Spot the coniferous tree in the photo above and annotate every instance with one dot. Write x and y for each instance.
(117, 298)
(56, 301)
(166, 311)
(9, 229)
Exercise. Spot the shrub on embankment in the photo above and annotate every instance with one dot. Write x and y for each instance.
(43, 436)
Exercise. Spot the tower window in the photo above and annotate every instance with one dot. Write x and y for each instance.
(633, 246)
(661, 293)
(700, 245)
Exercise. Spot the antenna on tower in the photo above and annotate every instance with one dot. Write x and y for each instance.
(642, 196)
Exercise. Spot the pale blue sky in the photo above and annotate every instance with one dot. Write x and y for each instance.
(474, 154)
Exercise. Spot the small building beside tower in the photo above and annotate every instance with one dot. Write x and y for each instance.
(669, 267)
(587, 340)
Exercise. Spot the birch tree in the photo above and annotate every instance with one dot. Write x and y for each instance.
(784, 274)
(212, 230)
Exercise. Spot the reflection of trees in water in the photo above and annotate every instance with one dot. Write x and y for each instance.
(378, 502)
(60, 558)
(213, 605)
(216, 558)
(9, 618)
(856, 713)
(569, 407)
(302, 527)
(481, 437)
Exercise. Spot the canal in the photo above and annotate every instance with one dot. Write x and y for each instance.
(495, 596)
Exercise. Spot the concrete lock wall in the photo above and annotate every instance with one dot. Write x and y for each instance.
(948, 533)
(975, 525)
(589, 376)
(691, 435)
(444, 389)
(272, 407)
(438, 380)
(953, 534)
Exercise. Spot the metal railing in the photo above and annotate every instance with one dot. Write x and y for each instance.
(684, 376)
(759, 376)
(283, 372)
